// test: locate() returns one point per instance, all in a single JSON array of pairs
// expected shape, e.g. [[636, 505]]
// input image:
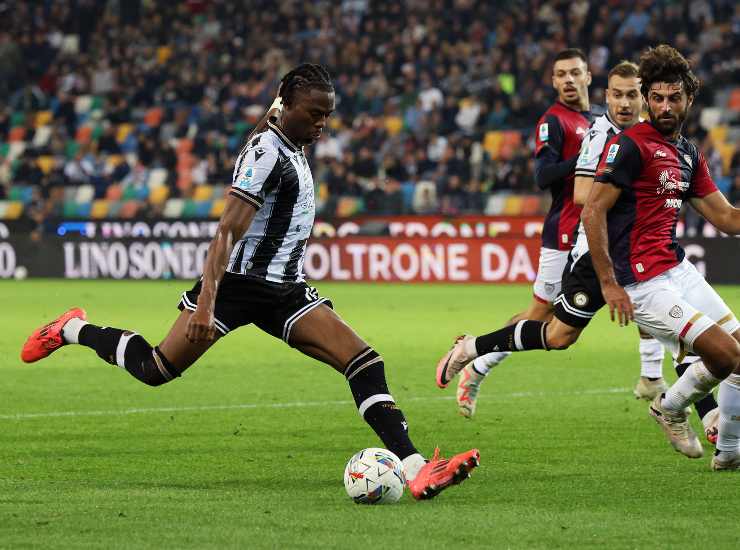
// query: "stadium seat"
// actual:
[[84, 134], [18, 118], [492, 143], [85, 193], [22, 193], [114, 207], [348, 206], [122, 132], [203, 193], [718, 134], [4, 148], [173, 208], [99, 209], [129, 209], [734, 100], [158, 194], [184, 145], [157, 177], [69, 210], [16, 134], [203, 208], [43, 118], [495, 205], [726, 151], [163, 54], [83, 104], [189, 209], [393, 124], [113, 161], [153, 117], [11, 210], [217, 208], [513, 205], [83, 209], [16, 149], [71, 148], [130, 192], [530, 205], [42, 136], [114, 192]]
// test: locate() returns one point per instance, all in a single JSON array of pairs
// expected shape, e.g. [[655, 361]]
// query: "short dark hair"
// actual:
[[304, 77], [570, 53], [625, 69], [665, 64]]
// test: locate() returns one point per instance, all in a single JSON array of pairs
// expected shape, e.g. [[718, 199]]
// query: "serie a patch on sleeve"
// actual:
[[544, 131], [612, 153]]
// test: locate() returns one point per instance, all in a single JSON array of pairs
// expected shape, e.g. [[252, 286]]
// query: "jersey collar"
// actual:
[[279, 133]]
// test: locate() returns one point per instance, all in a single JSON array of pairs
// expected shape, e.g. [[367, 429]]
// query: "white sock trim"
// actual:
[[71, 330], [651, 358], [518, 335], [412, 464], [121, 349], [370, 401]]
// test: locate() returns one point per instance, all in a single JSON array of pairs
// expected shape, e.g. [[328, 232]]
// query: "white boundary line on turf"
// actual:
[[294, 404]]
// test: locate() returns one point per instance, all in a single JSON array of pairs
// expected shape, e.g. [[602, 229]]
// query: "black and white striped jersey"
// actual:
[[273, 175], [601, 131]]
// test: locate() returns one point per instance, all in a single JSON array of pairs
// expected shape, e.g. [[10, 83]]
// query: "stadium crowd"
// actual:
[[436, 99]]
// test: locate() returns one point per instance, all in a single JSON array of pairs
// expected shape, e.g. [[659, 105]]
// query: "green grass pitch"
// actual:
[[247, 449]]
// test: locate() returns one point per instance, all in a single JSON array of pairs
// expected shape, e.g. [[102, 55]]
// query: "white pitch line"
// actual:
[[294, 404]]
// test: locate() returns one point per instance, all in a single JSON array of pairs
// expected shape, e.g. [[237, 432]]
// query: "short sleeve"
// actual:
[[549, 135], [256, 171], [702, 183], [620, 163], [591, 148]]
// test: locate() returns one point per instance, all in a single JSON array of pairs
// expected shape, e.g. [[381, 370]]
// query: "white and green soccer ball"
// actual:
[[374, 476]]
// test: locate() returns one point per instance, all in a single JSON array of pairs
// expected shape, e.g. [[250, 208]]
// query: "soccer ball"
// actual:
[[374, 476]]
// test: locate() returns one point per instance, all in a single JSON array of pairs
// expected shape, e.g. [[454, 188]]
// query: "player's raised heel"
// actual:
[[47, 339], [454, 360], [676, 427]]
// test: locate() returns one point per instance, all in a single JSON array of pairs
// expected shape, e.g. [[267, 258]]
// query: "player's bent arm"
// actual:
[[548, 170], [581, 189], [719, 212], [235, 220], [600, 200]]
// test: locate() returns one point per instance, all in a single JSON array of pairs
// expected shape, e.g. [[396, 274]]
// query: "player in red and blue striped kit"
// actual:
[[630, 217]]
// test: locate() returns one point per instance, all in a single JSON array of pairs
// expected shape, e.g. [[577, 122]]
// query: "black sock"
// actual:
[[521, 336], [706, 403], [366, 376], [130, 351]]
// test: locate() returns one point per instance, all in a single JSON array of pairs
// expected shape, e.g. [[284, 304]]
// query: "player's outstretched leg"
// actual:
[[123, 348], [651, 382], [323, 335]]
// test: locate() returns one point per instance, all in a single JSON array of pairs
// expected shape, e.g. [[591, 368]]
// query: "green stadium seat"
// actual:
[[190, 209], [17, 119], [69, 209]]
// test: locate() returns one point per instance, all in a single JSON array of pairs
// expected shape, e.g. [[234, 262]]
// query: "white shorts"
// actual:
[[550, 274], [677, 306]]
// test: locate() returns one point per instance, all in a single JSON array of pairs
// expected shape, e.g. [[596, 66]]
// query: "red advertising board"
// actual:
[[504, 260]]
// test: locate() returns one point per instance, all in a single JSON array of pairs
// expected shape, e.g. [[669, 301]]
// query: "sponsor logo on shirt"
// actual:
[[580, 131], [611, 154], [544, 132], [673, 203], [670, 183]]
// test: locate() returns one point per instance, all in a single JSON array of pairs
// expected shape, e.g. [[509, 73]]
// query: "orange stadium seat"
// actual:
[[153, 117], [129, 209], [492, 143], [84, 134], [16, 134], [530, 205], [114, 192], [513, 205], [734, 101]]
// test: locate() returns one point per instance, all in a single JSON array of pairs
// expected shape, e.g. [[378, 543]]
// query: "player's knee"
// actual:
[[561, 338], [726, 359]]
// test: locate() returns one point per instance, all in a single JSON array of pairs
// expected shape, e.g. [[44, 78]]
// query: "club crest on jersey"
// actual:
[[544, 132], [669, 183], [660, 154], [611, 154], [676, 312]]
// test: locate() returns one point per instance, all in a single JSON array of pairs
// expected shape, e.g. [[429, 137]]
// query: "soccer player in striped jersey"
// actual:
[[630, 217], [253, 274]]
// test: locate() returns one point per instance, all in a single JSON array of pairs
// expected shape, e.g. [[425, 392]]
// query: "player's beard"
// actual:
[[668, 126]]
